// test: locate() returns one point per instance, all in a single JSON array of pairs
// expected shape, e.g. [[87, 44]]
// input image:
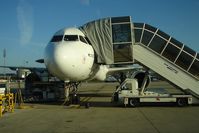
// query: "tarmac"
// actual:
[[102, 116]]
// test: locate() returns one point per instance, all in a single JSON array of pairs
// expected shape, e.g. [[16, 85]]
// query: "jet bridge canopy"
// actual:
[[111, 38], [167, 47]]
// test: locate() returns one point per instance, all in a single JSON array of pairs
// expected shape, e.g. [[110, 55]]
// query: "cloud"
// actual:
[[25, 21], [85, 2]]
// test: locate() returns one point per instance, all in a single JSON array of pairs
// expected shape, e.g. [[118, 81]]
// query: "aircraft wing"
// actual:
[[32, 69], [113, 70], [120, 73]]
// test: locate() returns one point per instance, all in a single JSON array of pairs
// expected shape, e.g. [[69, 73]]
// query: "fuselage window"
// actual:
[[70, 38], [57, 38], [82, 39]]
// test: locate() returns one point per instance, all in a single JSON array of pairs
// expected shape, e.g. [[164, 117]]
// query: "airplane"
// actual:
[[70, 57]]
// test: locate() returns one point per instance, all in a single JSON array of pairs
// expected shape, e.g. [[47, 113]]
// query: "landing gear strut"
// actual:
[[73, 98]]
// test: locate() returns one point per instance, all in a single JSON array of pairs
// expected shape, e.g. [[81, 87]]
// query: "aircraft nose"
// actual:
[[57, 58]]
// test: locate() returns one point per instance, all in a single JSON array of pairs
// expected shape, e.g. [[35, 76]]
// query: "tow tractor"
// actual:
[[129, 94]]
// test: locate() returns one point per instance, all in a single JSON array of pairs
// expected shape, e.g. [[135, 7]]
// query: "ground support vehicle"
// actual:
[[129, 94]]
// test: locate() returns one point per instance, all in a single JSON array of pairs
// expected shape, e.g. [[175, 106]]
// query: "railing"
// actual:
[[167, 47]]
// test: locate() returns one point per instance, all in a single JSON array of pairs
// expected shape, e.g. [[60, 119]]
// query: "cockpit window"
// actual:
[[70, 38], [57, 38], [88, 40], [82, 39]]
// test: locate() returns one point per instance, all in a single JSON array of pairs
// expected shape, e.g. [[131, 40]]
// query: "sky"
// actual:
[[26, 26]]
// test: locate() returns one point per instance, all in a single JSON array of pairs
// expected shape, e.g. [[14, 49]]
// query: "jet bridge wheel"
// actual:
[[181, 102], [134, 102]]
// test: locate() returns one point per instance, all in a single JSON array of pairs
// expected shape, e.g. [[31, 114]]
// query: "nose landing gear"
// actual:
[[71, 96]]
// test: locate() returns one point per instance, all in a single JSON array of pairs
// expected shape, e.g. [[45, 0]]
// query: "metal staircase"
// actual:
[[168, 57]]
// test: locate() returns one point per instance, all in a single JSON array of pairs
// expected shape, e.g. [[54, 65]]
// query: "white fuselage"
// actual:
[[72, 60]]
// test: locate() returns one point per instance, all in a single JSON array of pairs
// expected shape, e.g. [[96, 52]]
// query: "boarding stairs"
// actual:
[[167, 57]]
